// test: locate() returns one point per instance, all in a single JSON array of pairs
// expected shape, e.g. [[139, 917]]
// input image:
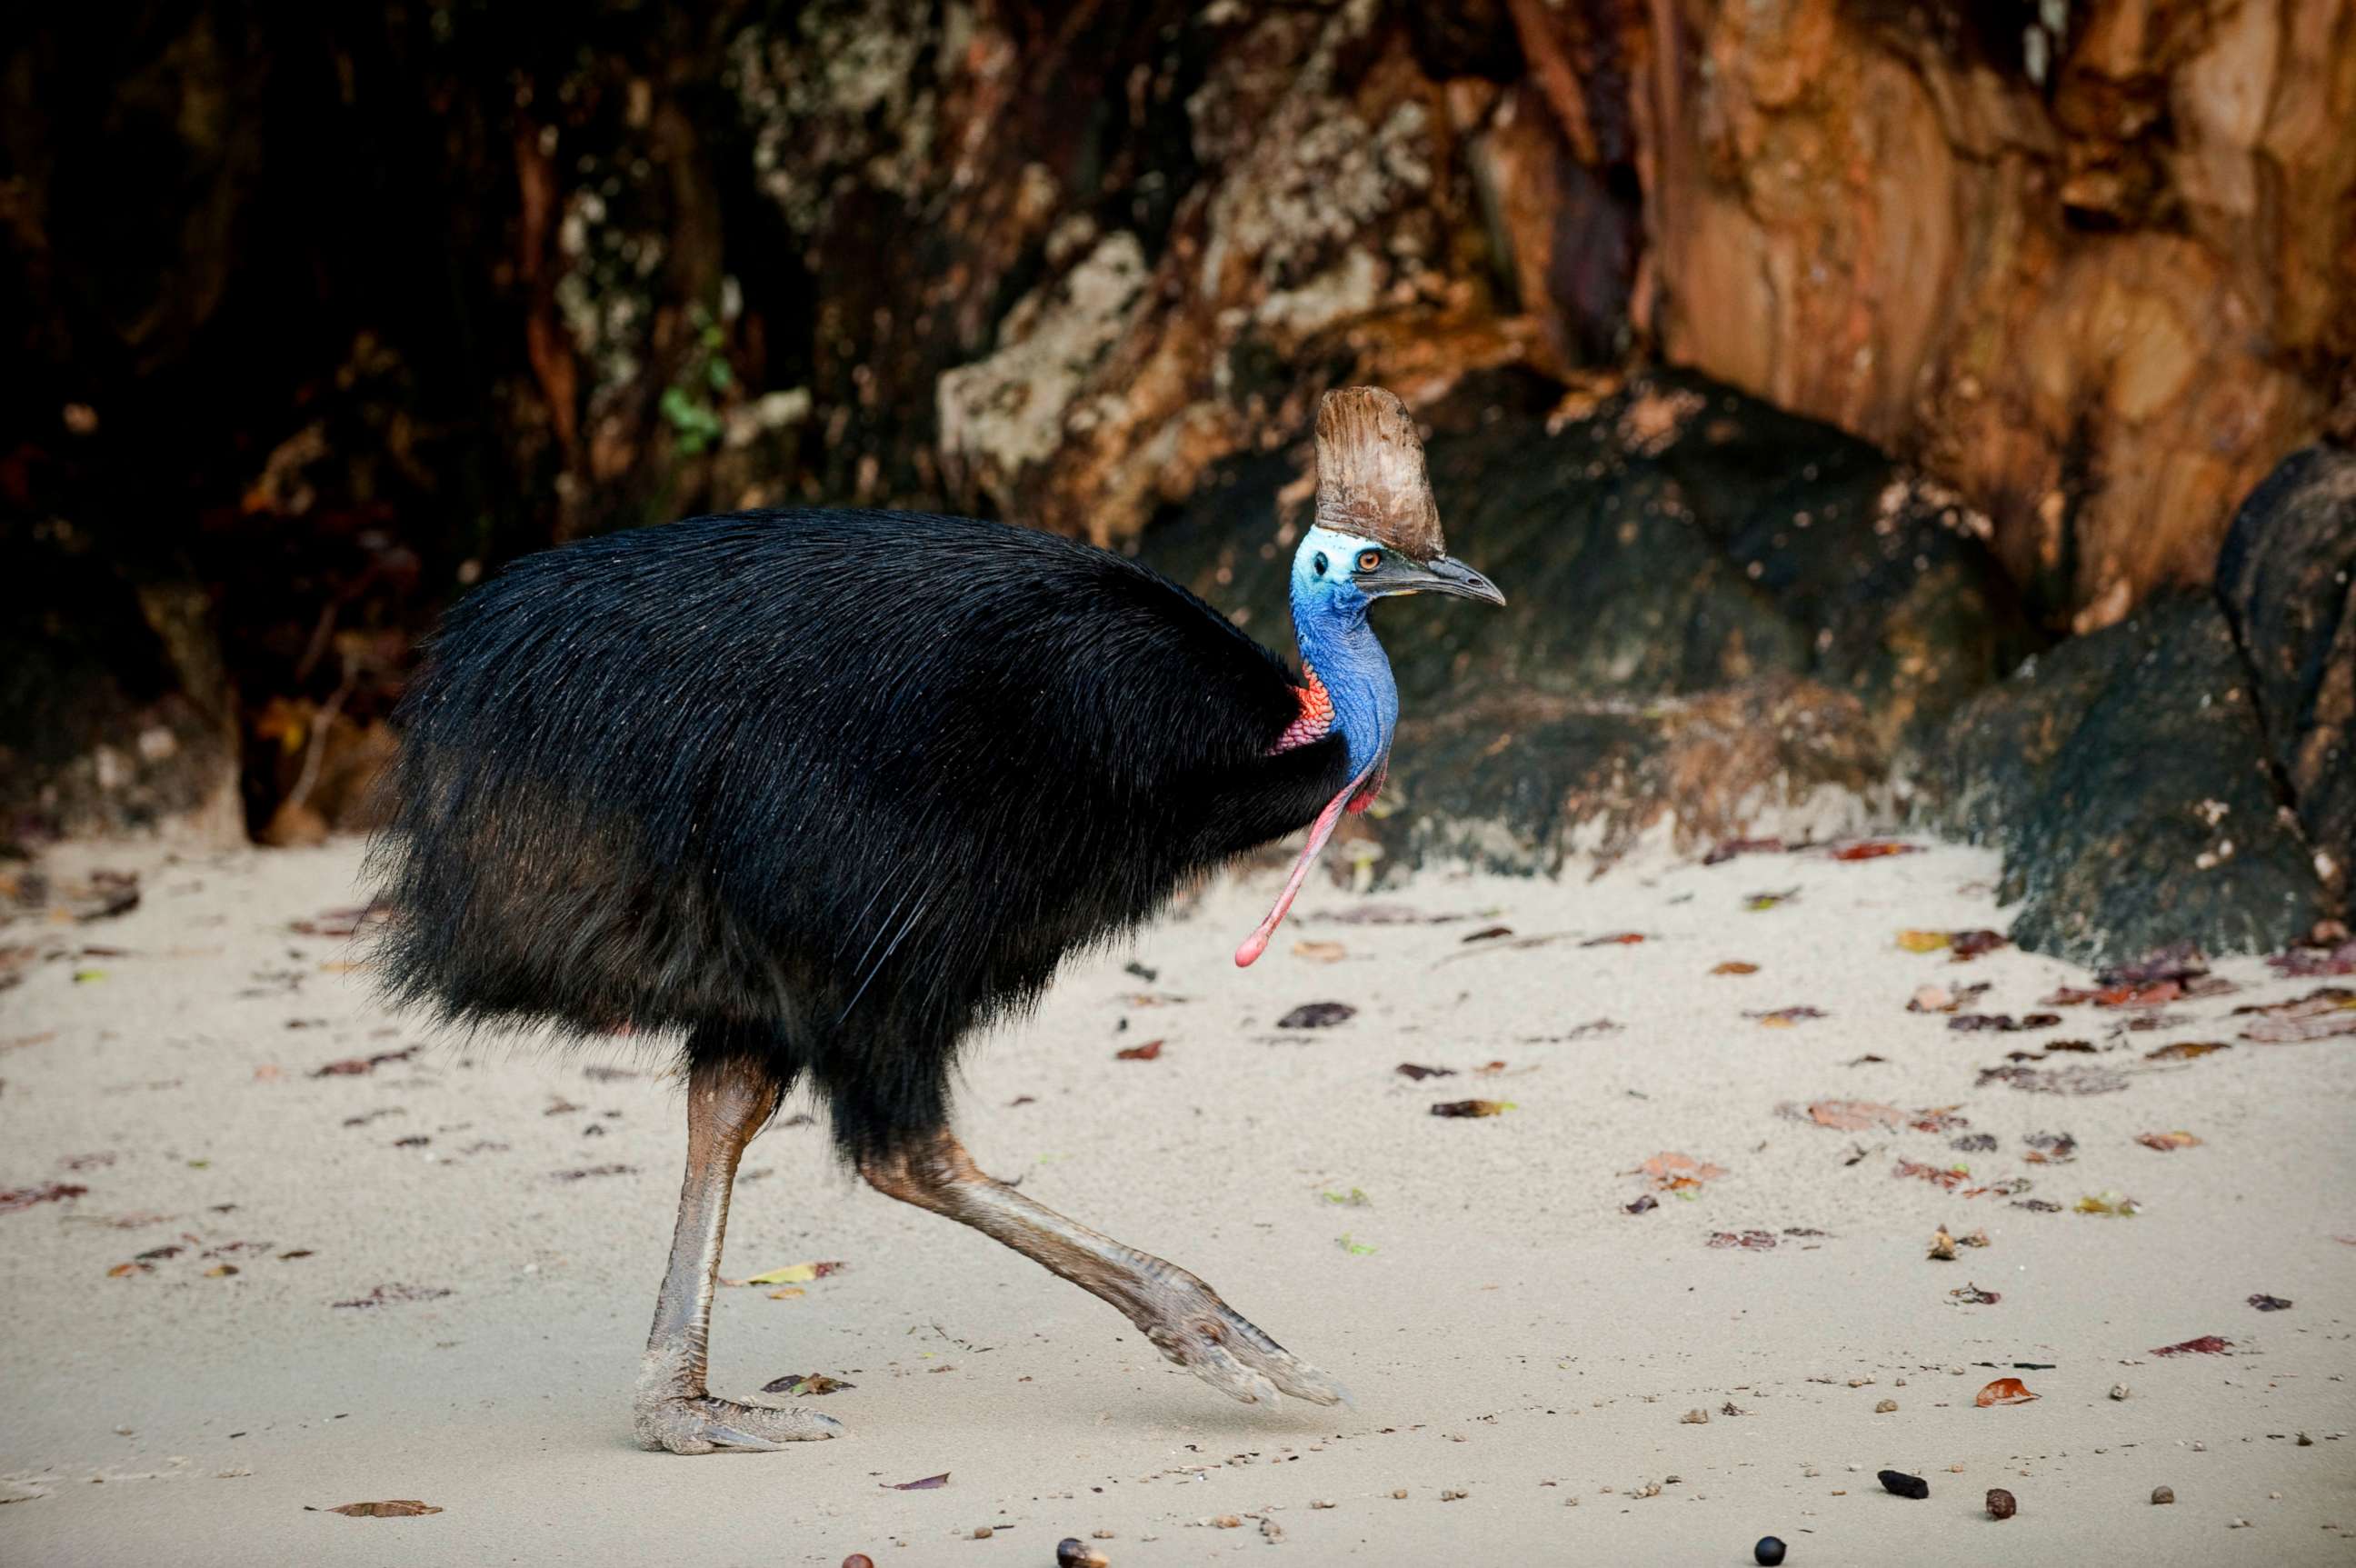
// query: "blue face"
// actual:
[[1329, 619]]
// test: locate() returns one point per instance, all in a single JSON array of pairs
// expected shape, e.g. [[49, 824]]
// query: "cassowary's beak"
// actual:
[[1441, 574]]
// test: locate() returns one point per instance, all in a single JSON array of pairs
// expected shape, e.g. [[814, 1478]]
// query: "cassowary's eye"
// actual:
[[1369, 559], [1319, 565]]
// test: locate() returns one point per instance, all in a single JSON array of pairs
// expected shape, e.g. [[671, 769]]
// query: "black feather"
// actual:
[[829, 788]]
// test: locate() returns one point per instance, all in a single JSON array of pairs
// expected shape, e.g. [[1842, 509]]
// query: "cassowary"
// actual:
[[822, 791]]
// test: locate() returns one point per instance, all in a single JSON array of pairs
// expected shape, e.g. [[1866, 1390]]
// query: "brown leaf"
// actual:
[[1149, 1051], [1873, 849], [1317, 1015], [2265, 1303], [1950, 1178], [2168, 1143], [1727, 849], [925, 1484], [1734, 966], [392, 1507], [387, 1295], [1972, 1295], [1668, 1168], [2186, 1050], [1749, 1241], [1418, 1072], [1616, 939], [2207, 1345], [1487, 934], [1784, 1017], [1472, 1108], [355, 1066], [2326, 1011], [1644, 1205], [1320, 952], [805, 1385], [1855, 1115], [17, 1197], [2004, 1391]]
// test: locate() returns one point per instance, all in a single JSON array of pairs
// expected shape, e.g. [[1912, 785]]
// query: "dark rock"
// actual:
[[2158, 819], [1978, 778], [1905, 1485], [2287, 578], [116, 714], [2002, 1504]]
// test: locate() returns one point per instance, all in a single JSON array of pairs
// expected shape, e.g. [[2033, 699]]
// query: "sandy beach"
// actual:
[[1528, 1358]]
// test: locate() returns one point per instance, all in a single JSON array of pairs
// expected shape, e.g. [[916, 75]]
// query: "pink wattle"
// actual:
[[1319, 832]]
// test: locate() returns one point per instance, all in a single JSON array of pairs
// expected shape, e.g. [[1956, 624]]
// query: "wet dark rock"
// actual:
[[2158, 818], [2287, 578]]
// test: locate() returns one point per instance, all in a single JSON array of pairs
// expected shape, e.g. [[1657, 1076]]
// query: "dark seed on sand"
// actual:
[[1769, 1551], [1905, 1485], [2002, 1504], [2163, 1494]]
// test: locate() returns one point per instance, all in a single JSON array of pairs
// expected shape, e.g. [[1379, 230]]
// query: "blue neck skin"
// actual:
[[1329, 620]]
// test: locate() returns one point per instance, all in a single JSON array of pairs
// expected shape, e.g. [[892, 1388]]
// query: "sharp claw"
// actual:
[[729, 1437]]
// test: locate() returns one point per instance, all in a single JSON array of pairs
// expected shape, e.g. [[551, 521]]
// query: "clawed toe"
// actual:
[[1228, 1352], [705, 1424]]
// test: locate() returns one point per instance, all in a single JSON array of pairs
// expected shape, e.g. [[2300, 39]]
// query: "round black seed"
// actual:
[[1770, 1550]]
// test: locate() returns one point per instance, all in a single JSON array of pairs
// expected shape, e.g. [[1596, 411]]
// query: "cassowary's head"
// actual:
[[1377, 532]]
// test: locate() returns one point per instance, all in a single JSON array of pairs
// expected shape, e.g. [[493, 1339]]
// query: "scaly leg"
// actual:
[[1182, 1316], [727, 1101]]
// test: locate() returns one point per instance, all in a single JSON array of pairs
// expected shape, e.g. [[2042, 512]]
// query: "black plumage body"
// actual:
[[821, 788]]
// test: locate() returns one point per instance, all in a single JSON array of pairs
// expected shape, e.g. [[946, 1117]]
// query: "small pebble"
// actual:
[[1769, 1551], [2120, 1390], [2305, 1441], [2201, 1448], [859, 1560], [1227, 1521], [2239, 1524], [1905, 1485], [1321, 1502], [1885, 1407], [1271, 1530], [983, 1532], [2002, 1504], [1072, 1552], [2163, 1494], [1450, 1495], [1401, 1493]]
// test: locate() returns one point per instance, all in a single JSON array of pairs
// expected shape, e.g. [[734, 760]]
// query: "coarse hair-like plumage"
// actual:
[[823, 789]]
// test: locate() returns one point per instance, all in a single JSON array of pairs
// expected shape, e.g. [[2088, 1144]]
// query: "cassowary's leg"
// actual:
[[727, 1101], [1182, 1316]]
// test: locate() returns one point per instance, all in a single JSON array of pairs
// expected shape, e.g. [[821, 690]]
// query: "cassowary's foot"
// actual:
[[700, 1425], [1196, 1331], [1182, 1316]]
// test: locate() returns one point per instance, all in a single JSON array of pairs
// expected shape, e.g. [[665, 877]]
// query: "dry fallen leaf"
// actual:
[[1418, 1072], [1943, 1246], [1873, 849], [806, 1385], [797, 1273], [392, 1507], [1921, 941], [1616, 939], [1784, 1017], [1318, 952], [2004, 1391], [1472, 1108], [2186, 1050], [2207, 1345], [1734, 966], [1855, 1115], [2168, 1143], [924, 1484], [1149, 1051], [1673, 1172], [1317, 1015]]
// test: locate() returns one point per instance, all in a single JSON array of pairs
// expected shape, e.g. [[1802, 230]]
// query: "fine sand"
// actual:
[[1524, 1352]]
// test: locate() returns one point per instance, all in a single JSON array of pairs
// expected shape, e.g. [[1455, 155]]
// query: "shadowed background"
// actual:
[[1870, 407]]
